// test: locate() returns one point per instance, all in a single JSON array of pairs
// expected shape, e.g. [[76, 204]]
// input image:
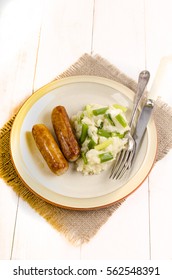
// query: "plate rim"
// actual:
[[89, 203]]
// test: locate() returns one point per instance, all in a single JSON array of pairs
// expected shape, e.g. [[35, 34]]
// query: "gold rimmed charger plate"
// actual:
[[74, 190]]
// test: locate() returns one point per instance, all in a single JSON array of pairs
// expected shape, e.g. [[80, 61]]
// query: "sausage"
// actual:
[[65, 136], [49, 149]]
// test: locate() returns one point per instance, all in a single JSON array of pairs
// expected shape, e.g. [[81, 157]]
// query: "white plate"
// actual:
[[73, 190]]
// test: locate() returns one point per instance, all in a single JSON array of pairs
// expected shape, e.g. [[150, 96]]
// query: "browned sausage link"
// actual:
[[49, 149], [64, 133]]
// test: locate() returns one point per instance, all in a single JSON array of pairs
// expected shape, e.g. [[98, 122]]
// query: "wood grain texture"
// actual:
[[19, 41], [119, 34], [66, 33], [36, 45]]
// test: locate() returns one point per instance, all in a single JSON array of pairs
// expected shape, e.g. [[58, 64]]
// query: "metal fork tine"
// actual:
[[125, 158], [115, 164], [126, 166], [122, 155], [121, 163], [128, 162]]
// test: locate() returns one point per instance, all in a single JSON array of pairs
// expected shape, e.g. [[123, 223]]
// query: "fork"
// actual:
[[124, 158]]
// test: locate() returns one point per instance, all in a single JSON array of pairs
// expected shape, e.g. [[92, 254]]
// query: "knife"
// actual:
[[143, 122]]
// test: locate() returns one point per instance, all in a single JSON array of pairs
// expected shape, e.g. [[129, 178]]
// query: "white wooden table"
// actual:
[[38, 40]]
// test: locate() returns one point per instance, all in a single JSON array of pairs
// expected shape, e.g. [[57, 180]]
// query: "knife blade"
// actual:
[[143, 122]]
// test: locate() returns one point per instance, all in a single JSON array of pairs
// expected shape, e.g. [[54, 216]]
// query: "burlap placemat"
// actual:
[[80, 226]]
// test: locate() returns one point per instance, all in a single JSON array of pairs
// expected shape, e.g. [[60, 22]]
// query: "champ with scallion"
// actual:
[[101, 131]]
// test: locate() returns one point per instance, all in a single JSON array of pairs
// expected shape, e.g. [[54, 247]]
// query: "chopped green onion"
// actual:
[[84, 133], [103, 145], [109, 118], [100, 111], [105, 157], [121, 120], [104, 133], [91, 144], [80, 119], [118, 106], [83, 155], [88, 110], [117, 134], [101, 125]]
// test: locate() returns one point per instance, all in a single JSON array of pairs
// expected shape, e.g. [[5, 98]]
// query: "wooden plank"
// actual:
[[119, 34], [8, 211], [19, 42], [126, 235], [18, 47], [161, 209], [65, 35], [37, 240], [158, 40], [159, 44]]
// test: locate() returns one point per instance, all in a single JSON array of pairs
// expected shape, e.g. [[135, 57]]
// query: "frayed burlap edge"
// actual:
[[79, 227], [163, 120], [98, 66]]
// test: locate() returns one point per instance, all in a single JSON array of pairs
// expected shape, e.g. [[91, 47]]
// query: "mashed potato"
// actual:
[[101, 132]]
